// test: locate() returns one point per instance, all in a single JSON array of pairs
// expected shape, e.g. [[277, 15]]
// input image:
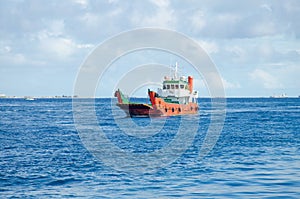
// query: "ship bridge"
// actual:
[[178, 90]]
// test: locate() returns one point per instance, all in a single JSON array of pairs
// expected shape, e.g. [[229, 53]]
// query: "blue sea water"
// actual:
[[256, 156]]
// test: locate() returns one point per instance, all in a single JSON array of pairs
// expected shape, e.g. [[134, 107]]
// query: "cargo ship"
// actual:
[[176, 97]]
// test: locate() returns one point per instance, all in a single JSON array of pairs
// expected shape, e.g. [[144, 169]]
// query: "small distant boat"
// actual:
[[176, 97], [29, 98]]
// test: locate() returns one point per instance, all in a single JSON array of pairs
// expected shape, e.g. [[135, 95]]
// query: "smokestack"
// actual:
[[190, 82]]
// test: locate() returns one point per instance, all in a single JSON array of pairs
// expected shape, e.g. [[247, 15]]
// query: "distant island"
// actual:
[[27, 97]]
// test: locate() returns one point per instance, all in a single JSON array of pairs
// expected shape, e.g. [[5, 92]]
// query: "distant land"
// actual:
[[37, 97], [28, 97]]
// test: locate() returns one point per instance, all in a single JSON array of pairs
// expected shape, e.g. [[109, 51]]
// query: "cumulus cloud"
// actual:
[[162, 15], [58, 47], [5, 49], [91, 19], [161, 3], [245, 19], [237, 34], [209, 46], [266, 79], [230, 85], [83, 3], [198, 21], [13, 59], [55, 43], [57, 27], [238, 53], [17, 58]]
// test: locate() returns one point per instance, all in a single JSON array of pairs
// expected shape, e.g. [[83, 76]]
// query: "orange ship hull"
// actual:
[[157, 108]]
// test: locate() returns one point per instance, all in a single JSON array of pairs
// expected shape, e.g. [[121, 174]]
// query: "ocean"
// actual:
[[43, 155]]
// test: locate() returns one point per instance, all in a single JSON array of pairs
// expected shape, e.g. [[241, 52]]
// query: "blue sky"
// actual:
[[255, 44]]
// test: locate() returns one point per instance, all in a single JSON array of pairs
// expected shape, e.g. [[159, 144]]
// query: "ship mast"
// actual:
[[176, 68]]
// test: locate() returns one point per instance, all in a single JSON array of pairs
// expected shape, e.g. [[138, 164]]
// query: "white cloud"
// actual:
[[85, 45], [266, 28], [57, 46], [236, 52], [266, 79], [266, 7], [91, 20], [266, 49], [17, 58], [57, 27], [228, 18], [163, 16], [287, 73], [116, 12], [5, 49], [198, 21], [230, 85], [209, 47], [238, 35], [161, 3], [83, 3], [113, 1], [11, 59]]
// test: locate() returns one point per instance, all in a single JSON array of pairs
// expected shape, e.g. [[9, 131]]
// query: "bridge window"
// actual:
[[176, 86], [172, 86], [168, 86], [164, 87], [181, 86]]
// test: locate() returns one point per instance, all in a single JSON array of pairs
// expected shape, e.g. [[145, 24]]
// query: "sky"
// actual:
[[255, 44]]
